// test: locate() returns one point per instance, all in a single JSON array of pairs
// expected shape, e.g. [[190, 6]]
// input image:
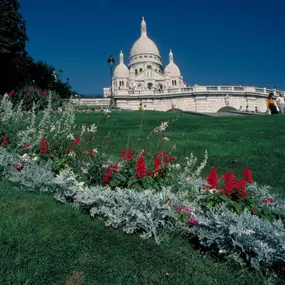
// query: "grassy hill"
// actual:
[[44, 242], [257, 142]]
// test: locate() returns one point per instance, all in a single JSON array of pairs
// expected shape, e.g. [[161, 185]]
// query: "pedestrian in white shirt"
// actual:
[[281, 103]]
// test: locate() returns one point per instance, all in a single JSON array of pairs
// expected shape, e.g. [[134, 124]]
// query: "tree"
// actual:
[[17, 68], [13, 38]]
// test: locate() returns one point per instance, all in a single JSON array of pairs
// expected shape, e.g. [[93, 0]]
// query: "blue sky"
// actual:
[[214, 41]]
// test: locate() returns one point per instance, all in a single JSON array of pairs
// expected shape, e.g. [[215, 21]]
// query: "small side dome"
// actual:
[[172, 68], [121, 70]]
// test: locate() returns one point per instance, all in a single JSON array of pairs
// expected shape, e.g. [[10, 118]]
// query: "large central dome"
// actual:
[[144, 44]]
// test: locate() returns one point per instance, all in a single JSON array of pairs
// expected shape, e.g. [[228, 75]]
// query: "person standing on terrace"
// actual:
[[270, 104], [280, 103]]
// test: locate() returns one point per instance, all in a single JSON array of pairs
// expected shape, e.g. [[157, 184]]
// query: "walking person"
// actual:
[[281, 103], [271, 105]]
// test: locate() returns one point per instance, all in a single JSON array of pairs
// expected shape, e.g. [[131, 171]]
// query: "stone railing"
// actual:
[[196, 89]]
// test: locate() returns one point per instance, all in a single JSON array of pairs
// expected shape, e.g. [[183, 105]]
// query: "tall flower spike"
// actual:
[[247, 175], [212, 179], [44, 145]]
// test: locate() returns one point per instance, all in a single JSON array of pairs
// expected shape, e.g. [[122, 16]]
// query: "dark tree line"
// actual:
[[17, 68]]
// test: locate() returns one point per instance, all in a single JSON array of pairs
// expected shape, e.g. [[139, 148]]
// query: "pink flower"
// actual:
[[11, 93], [5, 141], [192, 221], [18, 166]]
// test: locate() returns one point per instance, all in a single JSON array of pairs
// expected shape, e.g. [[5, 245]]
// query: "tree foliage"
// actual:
[[17, 67]]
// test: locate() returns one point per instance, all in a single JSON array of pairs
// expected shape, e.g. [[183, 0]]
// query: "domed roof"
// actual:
[[144, 44], [121, 70], [172, 68]]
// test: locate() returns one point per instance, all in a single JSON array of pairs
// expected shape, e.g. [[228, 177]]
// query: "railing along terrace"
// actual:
[[224, 89]]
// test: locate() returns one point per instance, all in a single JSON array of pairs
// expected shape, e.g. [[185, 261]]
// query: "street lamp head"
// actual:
[[111, 61]]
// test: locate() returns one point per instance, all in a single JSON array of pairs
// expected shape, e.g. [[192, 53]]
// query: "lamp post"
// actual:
[[60, 73], [111, 62]]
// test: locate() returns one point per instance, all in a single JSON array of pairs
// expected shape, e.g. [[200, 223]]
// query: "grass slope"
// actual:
[[233, 143], [44, 242]]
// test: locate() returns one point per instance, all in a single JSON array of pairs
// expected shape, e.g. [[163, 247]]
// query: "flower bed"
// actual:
[[146, 192]]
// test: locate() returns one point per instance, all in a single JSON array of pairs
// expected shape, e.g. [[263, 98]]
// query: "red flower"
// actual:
[[127, 156], [230, 182], [240, 187], [192, 221], [11, 93], [44, 145], [31, 91], [212, 179], [5, 141], [141, 168], [247, 175], [108, 176], [26, 146], [269, 200], [171, 158], [116, 167], [39, 90], [91, 151], [157, 163], [253, 208], [163, 155], [44, 94], [76, 141], [165, 159]]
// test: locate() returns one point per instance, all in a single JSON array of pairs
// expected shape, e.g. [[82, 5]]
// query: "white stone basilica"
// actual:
[[145, 70], [145, 82]]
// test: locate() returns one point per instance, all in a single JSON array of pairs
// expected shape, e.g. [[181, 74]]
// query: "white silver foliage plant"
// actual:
[[244, 237], [59, 126]]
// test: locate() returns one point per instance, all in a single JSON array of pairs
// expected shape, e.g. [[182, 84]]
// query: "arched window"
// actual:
[[136, 72], [141, 69], [122, 83], [149, 67]]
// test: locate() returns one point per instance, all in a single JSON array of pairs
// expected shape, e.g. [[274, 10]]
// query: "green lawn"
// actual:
[[233, 143], [43, 242]]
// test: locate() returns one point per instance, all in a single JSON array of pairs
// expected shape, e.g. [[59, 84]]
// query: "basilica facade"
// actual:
[[144, 71], [144, 81]]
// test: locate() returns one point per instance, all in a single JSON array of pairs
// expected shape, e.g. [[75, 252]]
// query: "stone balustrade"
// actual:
[[195, 90]]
